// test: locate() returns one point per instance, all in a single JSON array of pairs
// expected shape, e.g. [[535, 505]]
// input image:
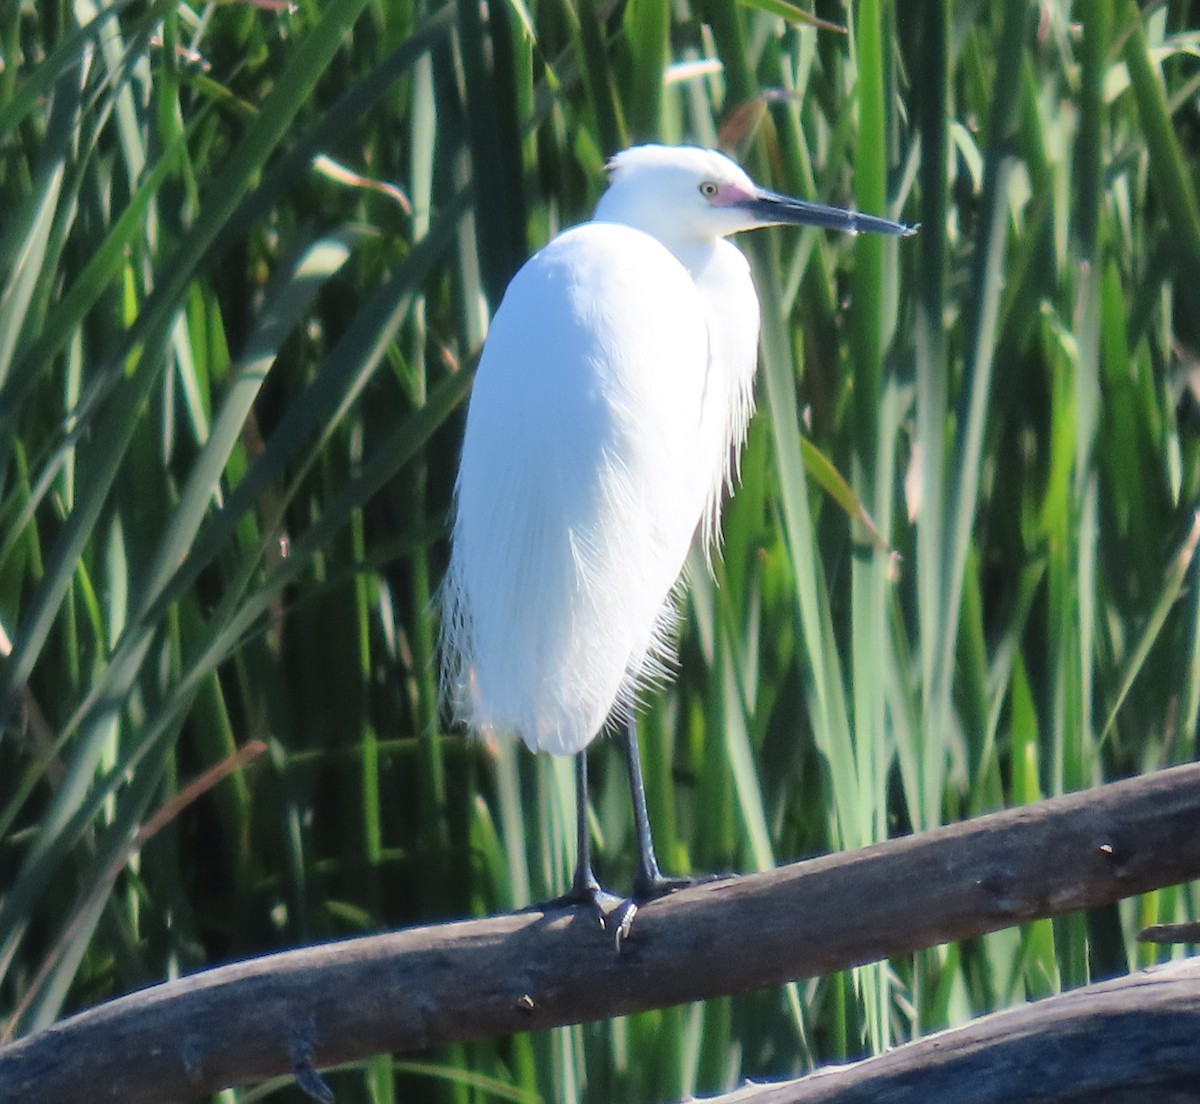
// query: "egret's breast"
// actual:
[[721, 276]]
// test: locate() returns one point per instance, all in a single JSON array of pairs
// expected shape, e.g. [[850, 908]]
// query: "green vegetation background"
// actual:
[[247, 256]]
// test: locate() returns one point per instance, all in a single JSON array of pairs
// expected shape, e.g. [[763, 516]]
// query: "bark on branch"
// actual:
[[1129, 1041], [430, 986]]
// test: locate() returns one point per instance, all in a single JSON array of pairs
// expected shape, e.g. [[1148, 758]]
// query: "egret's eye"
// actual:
[[708, 189]]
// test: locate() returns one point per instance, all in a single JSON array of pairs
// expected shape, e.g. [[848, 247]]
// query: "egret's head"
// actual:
[[677, 193], [682, 195]]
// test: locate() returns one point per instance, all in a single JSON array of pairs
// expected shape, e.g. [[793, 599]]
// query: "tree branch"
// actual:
[[429, 986], [1128, 1041]]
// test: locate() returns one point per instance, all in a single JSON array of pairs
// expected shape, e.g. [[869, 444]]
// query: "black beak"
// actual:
[[783, 210]]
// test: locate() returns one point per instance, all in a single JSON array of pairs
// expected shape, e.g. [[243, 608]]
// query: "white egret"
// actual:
[[614, 389]]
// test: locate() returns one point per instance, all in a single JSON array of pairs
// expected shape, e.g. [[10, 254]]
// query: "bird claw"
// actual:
[[619, 922], [614, 914], [619, 919], [647, 889]]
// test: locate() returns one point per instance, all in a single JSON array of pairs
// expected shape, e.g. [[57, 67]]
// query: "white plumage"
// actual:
[[613, 392], [613, 386]]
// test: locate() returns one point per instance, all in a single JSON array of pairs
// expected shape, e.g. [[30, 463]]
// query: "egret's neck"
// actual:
[[721, 275], [695, 254]]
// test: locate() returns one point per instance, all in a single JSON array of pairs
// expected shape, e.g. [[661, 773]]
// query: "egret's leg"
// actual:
[[650, 881], [585, 887]]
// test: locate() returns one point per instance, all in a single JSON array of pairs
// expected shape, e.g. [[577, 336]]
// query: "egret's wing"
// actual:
[[586, 465]]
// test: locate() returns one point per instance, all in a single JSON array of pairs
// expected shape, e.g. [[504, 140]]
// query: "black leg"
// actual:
[[616, 914], [585, 888], [650, 881], [584, 884]]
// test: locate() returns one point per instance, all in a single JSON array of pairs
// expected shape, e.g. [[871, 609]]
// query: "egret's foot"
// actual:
[[619, 921], [613, 914], [588, 893], [595, 895], [616, 914], [648, 888]]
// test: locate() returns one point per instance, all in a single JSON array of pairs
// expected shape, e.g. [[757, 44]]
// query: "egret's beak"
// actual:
[[777, 210]]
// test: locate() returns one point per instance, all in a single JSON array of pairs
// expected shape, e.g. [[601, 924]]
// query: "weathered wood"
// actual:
[[1135, 1040], [430, 986], [1187, 932]]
